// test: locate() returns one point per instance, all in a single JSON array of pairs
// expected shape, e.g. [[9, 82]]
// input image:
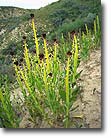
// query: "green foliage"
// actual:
[[8, 117], [73, 26], [90, 19], [58, 17]]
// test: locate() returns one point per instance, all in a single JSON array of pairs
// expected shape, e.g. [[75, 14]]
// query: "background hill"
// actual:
[[59, 17]]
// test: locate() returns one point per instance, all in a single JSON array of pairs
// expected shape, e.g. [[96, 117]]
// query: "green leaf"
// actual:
[[78, 74], [62, 95]]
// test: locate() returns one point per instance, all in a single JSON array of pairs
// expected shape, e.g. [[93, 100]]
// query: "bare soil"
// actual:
[[90, 98]]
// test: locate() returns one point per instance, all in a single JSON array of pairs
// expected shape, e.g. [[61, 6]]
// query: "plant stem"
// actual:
[[75, 58], [46, 55], [26, 54], [36, 40], [67, 92]]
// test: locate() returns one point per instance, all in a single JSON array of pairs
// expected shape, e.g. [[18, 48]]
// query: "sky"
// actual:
[[27, 4]]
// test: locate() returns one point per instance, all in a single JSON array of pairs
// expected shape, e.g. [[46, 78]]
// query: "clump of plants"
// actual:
[[90, 39], [49, 86]]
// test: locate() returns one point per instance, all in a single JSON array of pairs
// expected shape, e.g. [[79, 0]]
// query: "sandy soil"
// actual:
[[90, 101]]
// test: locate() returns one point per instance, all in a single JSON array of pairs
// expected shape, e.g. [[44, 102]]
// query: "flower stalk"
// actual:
[[67, 92], [75, 58], [36, 39], [46, 56], [26, 55]]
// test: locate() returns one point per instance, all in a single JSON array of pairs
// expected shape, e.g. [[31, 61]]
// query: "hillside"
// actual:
[[59, 17], [50, 66]]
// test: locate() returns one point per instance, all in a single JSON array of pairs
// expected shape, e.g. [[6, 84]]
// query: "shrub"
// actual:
[[65, 28]]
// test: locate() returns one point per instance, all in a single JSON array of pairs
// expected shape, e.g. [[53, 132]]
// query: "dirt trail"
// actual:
[[90, 103]]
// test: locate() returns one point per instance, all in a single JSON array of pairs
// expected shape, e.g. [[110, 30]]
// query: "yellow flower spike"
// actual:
[[87, 31], [46, 55], [67, 81], [36, 39], [55, 49], [25, 71], [67, 90], [55, 52], [75, 58], [19, 79], [17, 72], [26, 54]]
